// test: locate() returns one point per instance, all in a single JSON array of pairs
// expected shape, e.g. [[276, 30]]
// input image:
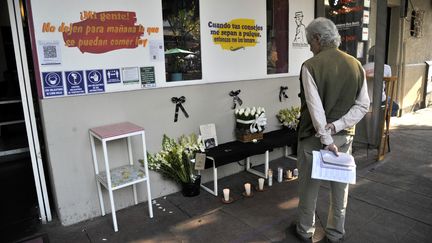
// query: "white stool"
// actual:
[[123, 176]]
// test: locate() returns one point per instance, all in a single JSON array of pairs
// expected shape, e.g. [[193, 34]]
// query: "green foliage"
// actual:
[[289, 117], [184, 24], [173, 161]]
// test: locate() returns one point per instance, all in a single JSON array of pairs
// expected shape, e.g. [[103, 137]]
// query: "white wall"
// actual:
[[67, 121]]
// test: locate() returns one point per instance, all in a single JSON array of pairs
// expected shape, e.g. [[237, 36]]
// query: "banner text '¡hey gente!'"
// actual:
[[104, 15]]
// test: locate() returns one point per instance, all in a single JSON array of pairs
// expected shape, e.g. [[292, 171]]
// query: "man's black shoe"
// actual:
[[327, 240], [293, 230]]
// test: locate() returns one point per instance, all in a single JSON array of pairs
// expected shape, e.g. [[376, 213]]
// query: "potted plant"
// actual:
[[289, 117], [174, 162], [178, 68]]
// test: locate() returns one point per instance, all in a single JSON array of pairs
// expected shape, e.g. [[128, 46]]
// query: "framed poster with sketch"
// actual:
[[208, 135]]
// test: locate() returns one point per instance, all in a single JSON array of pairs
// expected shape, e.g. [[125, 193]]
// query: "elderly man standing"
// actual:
[[333, 99]]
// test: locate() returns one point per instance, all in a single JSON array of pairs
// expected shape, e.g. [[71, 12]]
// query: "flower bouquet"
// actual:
[[174, 161], [289, 117], [250, 123]]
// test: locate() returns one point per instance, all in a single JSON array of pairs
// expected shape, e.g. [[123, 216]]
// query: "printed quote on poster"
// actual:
[[235, 34], [100, 32]]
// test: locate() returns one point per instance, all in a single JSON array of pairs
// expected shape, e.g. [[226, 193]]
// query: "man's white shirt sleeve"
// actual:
[[315, 107]]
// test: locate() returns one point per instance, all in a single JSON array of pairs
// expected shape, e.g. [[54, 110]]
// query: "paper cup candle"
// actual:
[[261, 184], [270, 177], [247, 189], [295, 172], [226, 193], [289, 174]]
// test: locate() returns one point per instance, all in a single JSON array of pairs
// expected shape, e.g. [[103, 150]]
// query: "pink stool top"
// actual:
[[117, 129]]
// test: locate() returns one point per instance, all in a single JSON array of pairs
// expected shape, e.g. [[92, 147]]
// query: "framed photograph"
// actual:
[[208, 135]]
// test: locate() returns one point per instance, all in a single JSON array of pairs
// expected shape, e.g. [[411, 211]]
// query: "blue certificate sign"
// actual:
[[113, 76], [95, 82], [75, 82], [53, 84]]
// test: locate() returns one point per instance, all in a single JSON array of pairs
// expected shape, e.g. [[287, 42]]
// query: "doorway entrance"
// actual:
[[24, 196]]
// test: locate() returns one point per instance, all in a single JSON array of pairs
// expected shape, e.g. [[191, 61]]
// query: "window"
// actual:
[[277, 36], [356, 24], [181, 25]]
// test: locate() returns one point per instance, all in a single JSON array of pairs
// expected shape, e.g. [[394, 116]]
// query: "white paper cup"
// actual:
[[247, 188], [295, 172], [261, 184], [226, 193]]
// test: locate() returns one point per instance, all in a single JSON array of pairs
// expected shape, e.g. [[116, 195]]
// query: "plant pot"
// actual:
[[243, 131], [192, 189], [176, 76]]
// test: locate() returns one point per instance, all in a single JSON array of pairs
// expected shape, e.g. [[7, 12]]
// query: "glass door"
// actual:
[[24, 194]]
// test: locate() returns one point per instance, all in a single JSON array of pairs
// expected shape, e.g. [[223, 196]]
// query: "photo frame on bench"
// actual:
[[208, 135]]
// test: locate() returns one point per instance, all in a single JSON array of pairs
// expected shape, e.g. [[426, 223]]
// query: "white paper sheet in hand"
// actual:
[[331, 174], [344, 159]]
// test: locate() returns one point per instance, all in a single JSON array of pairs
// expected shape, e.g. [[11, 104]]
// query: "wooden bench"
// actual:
[[234, 151]]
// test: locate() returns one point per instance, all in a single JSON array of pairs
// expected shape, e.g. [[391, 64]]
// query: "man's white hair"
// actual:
[[325, 30]]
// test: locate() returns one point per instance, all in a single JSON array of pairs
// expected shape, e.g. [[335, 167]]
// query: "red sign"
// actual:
[[104, 31]]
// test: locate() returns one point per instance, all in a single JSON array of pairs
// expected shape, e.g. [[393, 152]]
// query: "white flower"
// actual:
[[236, 111], [259, 110], [241, 111], [253, 111], [200, 143], [248, 110]]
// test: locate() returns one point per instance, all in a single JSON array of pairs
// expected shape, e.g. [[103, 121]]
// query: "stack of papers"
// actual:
[[342, 162], [327, 166]]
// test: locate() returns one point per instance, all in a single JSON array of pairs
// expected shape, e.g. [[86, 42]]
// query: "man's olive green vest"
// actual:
[[339, 78]]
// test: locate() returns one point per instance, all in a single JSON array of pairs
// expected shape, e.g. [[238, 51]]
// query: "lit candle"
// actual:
[[226, 193], [247, 188], [261, 184], [270, 177], [289, 174]]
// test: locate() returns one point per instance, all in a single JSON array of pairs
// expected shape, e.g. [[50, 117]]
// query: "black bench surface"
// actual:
[[235, 151]]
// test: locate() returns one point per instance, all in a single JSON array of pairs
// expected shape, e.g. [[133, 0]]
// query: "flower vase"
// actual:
[[192, 189]]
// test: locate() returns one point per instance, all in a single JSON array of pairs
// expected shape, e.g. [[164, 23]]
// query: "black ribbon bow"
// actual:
[[236, 99], [179, 101], [282, 93]]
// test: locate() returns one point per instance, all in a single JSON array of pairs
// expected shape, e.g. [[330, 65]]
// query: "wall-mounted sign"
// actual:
[[74, 82], [113, 75], [105, 46], [52, 84], [100, 37]]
